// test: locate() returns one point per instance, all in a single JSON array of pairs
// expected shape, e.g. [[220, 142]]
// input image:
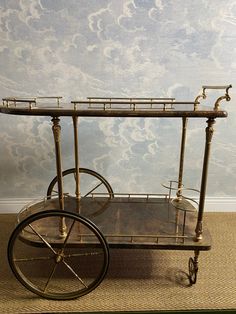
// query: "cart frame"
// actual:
[[123, 107]]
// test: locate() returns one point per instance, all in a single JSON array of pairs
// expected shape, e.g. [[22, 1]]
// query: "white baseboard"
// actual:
[[13, 205], [212, 204], [220, 204]]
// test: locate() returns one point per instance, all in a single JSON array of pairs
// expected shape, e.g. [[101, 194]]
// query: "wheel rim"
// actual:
[[90, 182], [54, 265]]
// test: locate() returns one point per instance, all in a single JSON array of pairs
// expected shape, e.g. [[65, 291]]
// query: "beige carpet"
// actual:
[[141, 280]]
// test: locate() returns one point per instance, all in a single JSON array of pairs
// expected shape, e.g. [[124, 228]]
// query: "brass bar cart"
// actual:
[[60, 246]]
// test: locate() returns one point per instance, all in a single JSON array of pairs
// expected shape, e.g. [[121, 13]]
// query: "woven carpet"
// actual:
[[141, 280]]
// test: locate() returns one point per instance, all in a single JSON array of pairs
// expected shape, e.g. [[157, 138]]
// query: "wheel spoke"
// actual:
[[75, 274], [97, 186], [67, 236], [41, 237], [50, 277], [41, 258], [83, 254]]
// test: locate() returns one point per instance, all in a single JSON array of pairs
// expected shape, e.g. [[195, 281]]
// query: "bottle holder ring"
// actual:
[[180, 200]]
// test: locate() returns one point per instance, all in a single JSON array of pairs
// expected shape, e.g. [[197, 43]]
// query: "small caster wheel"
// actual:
[[192, 267]]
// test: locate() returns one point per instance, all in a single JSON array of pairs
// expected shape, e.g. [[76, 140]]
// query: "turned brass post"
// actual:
[[181, 169], [181, 160], [76, 151], [209, 134], [56, 128]]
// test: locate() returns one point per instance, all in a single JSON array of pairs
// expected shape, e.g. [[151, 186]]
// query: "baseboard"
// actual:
[[13, 205], [212, 204], [220, 204]]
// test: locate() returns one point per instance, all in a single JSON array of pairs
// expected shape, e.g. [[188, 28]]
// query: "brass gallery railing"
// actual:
[[118, 103]]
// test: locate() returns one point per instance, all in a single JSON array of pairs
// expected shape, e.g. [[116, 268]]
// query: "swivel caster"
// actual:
[[193, 269]]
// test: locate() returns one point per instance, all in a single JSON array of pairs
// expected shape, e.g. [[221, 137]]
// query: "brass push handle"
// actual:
[[226, 87], [216, 86], [217, 103]]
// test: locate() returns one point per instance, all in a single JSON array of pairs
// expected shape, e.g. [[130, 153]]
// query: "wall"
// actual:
[[122, 48]]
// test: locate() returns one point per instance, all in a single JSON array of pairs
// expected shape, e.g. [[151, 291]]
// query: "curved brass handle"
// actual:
[[226, 97], [217, 103]]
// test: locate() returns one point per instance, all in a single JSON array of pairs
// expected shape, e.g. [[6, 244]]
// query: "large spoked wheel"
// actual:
[[58, 255], [90, 182]]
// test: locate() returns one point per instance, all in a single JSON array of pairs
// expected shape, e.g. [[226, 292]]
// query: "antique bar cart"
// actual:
[[60, 246]]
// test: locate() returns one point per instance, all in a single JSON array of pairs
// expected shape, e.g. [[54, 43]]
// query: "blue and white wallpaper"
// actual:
[[116, 48]]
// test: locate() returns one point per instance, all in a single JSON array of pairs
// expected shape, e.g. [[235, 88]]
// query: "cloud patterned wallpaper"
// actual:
[[124, 48]]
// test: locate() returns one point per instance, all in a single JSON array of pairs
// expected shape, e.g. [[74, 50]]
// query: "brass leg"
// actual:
[[209, 134], [56, 128], [177, 222], [76, 151], [181, 169], [181, 161]]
